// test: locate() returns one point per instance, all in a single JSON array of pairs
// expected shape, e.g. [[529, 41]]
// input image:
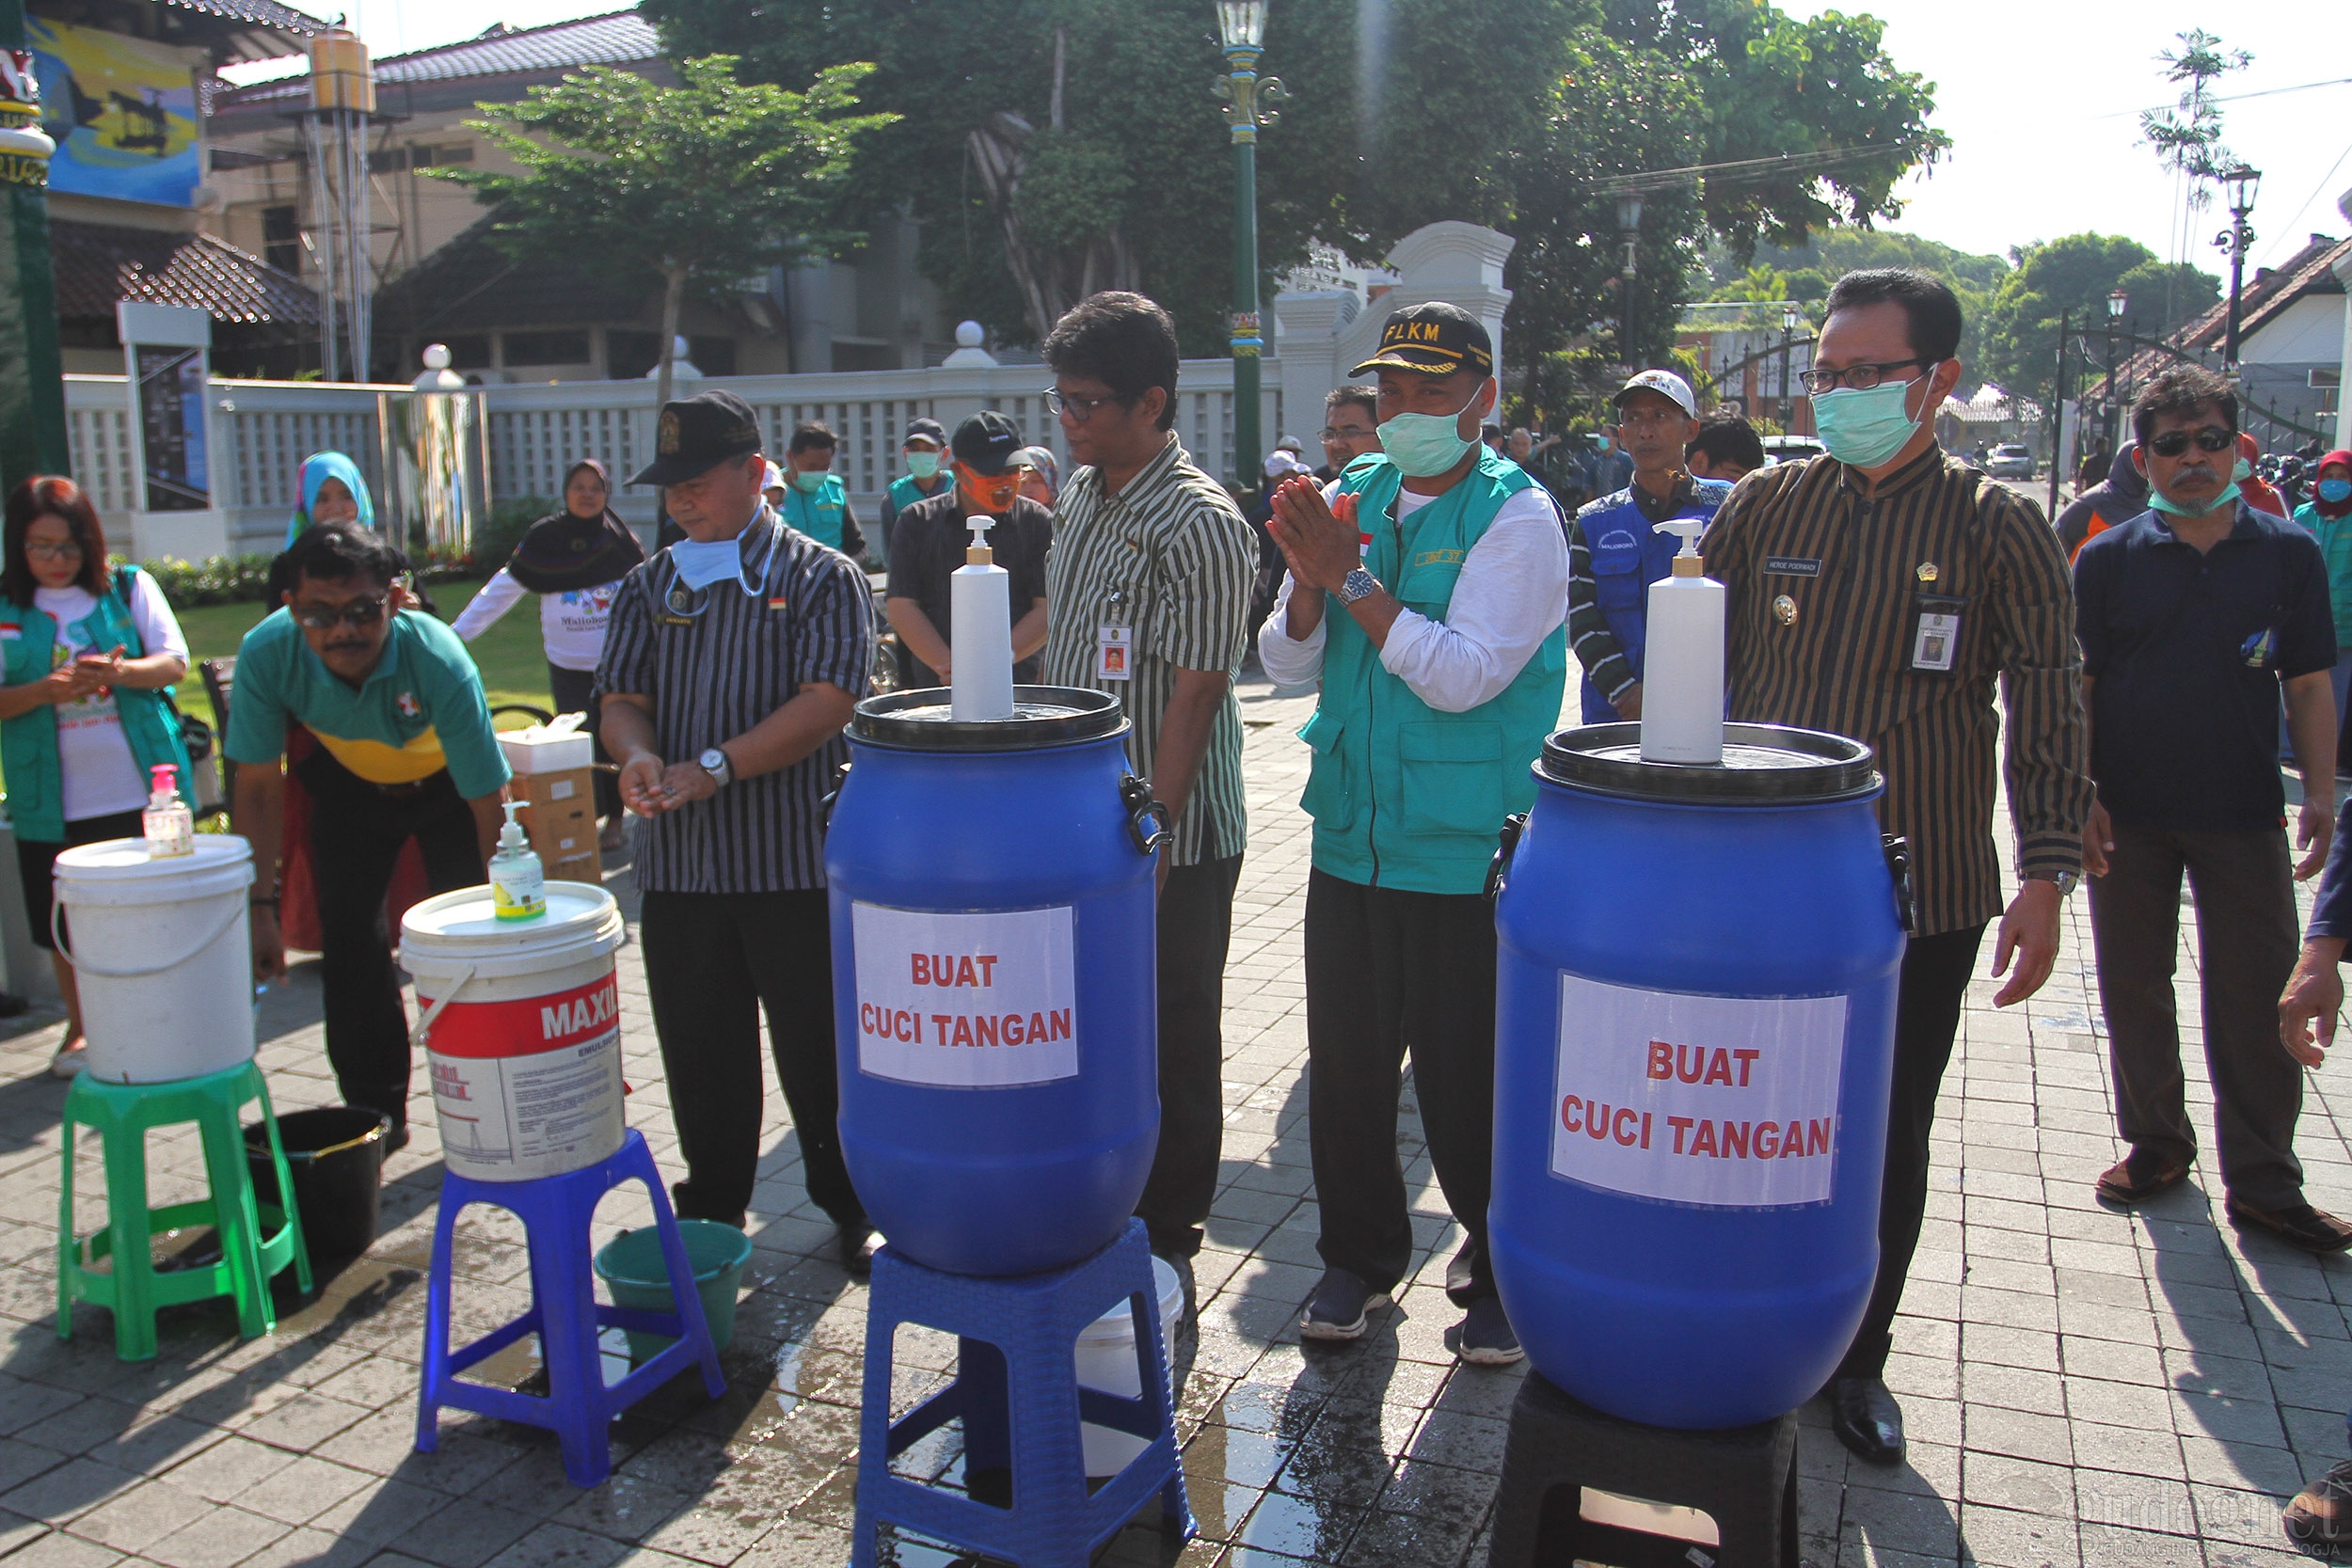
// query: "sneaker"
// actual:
[[70, 1058], [1337, 1310], [2321, 1513], [1486, 1336], [2298, 1225]]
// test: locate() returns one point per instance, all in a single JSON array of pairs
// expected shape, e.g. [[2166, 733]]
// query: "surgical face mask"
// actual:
[[2334, 491], [810, 481], [923, 464], [1866, 428], [700, 564], [1604, 443], [2166, 504], [2242, 471], [1425, 445]]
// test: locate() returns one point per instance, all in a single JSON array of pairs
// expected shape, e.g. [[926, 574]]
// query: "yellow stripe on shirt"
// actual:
[[389, 765]]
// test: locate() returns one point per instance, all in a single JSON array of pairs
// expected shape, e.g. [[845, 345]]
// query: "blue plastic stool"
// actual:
[[565, 1314], [1017, 1390]]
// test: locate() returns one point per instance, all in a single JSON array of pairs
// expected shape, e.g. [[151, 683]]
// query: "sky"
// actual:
[[2039, 96]]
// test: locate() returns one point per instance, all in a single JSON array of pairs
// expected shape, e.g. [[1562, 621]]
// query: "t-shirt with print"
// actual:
[[101, 777]]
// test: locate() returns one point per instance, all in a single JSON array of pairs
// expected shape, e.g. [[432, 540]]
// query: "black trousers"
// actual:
[[714, 961], [1935, 983], [2247, 940], [1196, 927], [570, 688], [357, 830], [1387, 972]]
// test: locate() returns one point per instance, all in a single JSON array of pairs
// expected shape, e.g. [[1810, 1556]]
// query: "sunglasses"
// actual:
[[2172, 443], [359, 613]]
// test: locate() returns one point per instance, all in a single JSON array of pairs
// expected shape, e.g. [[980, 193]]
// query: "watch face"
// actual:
[[714, 761]]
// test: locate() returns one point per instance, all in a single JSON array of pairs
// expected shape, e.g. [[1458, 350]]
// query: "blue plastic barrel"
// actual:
[[1693, 1040], [994, 979]]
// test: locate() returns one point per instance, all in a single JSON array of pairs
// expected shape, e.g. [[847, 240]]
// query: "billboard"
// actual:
[[122, 112]]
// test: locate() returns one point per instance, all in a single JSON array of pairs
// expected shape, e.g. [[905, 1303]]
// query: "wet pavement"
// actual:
[[2083, 1387]]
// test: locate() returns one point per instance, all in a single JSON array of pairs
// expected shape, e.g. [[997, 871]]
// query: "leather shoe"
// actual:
[[2138, 1177], [1866, 1418], [853, 1248], [2297, 1225]]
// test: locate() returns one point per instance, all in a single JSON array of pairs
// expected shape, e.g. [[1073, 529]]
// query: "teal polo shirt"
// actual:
[[419, 712]]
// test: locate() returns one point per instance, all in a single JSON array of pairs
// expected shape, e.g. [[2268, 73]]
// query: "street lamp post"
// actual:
[[1788, 319], [2241, 183], [1629, 230], [32, 373], [1241, 29], [2117, 303]]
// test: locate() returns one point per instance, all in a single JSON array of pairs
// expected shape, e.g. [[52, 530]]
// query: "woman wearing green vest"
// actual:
[[813, 498], [86, 654]]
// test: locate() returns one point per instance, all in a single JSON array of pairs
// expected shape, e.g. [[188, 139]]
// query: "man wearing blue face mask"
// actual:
[[1427, 593], [925, 453], [1882, 591]]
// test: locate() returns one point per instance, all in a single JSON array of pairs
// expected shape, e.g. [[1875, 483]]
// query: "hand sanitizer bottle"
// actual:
[[1682, 681], [518, 885], [169, 826]]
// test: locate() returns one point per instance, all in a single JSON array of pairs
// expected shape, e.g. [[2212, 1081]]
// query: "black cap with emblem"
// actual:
[[1433, 339], [696, 435]]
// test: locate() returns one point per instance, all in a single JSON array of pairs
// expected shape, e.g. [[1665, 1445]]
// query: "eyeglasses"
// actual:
[[1344, 432], [359, 612], [1860, 377], [2172, 443], [67, 551], [1079, 410]]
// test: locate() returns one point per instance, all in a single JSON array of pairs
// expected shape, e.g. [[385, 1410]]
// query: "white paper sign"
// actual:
[[966, 1001], [1727, 1101]]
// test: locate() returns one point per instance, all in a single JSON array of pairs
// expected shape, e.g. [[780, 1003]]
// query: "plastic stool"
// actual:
[[1744, 1478], [1017, 1390], [130, 1287], [565, 1314]]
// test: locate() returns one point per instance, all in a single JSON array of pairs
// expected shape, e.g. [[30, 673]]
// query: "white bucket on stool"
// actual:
[[521, 1026], [1106, 1362], [162, 956]]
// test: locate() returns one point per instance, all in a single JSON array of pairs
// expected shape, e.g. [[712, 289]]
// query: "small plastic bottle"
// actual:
[[169, 826], [518, 884]]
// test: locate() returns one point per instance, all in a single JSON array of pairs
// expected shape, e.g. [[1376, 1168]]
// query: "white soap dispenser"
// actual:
[[980, 632], [167, 823], [1682, 675], [518, 884]]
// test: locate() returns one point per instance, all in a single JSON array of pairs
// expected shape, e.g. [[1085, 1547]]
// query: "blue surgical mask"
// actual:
[[2166, 504], [923, 464], [2242, 471], [700, 564], [810, 481], [2335, 491], [1866, 428], [1425, 445]]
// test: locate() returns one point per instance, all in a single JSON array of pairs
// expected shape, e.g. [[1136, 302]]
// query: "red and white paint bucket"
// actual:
[[521, 1026]]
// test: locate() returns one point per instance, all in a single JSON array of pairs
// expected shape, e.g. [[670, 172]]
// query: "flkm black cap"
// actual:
[[986, 442], [696, 435], [1433, 339]]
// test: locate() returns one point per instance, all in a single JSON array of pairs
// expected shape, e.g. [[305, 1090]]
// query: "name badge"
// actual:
[[1937, 639], [1791, 566], [1114, 654]]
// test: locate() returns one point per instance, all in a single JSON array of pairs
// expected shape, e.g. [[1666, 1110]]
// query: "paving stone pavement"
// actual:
[[2084, 1389]]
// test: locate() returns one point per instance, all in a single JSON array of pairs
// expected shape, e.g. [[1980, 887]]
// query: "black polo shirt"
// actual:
[[2187, 651], [926, 546]]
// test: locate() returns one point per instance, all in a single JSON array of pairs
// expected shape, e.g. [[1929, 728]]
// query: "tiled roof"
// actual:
[[98, 264], [2309, 271], [263, 13], [469, 284], [618, 38]]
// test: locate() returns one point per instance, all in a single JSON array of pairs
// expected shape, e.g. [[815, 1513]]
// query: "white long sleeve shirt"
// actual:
[[1513, 592], [571, 624]]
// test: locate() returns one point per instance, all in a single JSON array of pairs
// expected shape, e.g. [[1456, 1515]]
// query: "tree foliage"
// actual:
[[694, 185], [2187, 136], [2074, 275]]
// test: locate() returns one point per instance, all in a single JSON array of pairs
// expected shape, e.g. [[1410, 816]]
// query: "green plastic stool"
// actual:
[[249, 1255]]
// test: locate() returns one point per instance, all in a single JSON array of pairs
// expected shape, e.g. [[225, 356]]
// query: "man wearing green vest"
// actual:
[[1426, 591], [815, 499], [925, 450]]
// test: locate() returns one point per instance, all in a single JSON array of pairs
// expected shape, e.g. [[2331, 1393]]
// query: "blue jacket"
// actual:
[[1627, 555]]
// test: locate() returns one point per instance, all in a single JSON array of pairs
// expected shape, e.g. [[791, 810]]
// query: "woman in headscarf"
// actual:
[[2329, 515], [333, 491], [574, 560], [1043, 481]]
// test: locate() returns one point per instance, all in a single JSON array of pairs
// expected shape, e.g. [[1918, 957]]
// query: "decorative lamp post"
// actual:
[[1790, 317], [1630, 229], [1241, 30], [32, 374], [2241, 185], [2117, 303]]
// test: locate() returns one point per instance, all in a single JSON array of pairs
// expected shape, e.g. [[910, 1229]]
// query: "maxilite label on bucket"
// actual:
[[530, 1087], [966, 1001], [1724, 1101]]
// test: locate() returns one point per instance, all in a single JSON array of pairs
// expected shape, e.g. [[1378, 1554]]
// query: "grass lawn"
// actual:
[[514, 667]]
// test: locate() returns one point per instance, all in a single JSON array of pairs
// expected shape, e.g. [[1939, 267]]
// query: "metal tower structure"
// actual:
[[335, 139]]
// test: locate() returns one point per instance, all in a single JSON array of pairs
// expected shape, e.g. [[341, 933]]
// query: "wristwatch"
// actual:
[[714, 762], [1356, 584], [2067, 880]]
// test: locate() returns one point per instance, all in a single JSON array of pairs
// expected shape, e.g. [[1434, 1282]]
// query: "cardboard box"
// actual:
[[534, 751], [560, 816]]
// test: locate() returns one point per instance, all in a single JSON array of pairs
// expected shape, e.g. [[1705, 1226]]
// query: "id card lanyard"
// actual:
[[1115, 640]]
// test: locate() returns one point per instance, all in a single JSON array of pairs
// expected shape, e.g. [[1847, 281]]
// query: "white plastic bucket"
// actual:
[[521, 1026], [1106, 1361], [161, 956]]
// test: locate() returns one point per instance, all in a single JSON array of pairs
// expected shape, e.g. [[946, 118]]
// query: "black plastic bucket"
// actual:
[[336, 1155]]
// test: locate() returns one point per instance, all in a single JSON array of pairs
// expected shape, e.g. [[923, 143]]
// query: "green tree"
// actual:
[[694, 185], [1815, 265], [2074, 275]]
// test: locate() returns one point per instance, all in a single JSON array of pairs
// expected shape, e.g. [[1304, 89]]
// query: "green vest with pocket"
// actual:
[[818, 512], [1404, 795]]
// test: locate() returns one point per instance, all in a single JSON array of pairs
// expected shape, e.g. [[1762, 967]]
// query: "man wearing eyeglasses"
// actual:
[[1882, 592], [406, 750], [1351, 428], [2194, 616]]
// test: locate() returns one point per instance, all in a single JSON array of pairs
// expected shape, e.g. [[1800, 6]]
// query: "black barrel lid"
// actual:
[[924, 720], [1763, 765]]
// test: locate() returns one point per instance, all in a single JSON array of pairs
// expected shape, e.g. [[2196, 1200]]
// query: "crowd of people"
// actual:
[[1428, 583]]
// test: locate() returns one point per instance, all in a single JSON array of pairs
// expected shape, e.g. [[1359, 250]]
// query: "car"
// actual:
[[1791, 448], [2011, 460]]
